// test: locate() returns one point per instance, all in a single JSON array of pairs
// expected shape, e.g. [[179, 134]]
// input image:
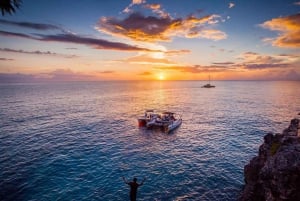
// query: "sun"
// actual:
[[161, 76]]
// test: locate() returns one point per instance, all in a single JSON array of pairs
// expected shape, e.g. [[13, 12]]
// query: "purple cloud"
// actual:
[[139, 27], [5, 59], [95, 43], [68, 75], [292, 75], [255, 61], [107, 72], [223, 63], [265, 65], [71, 38], [36, 26], [13, 34], [54, 76], [71, 48], [15, 77], [37, 52]]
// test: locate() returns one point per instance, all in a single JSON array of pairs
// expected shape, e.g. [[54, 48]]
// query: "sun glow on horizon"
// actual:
[[151, 41], [161, 76]]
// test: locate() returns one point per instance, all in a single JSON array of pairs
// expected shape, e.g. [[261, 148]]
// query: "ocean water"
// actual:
[[75, 141]]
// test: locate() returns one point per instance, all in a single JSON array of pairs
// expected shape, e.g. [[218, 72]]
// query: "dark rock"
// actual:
[[292, 130], [268, 138], [274, 174]]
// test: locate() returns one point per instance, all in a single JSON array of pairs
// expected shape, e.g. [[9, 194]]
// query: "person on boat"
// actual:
[[133, 187]]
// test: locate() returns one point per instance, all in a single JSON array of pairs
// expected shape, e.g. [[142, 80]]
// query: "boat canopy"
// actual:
[[149, 111], [168, 113]]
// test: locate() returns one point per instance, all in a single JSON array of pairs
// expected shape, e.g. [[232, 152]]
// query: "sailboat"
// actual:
[[208, 85]]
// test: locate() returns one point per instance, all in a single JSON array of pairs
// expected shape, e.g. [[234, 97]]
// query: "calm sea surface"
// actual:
[[75, 141]]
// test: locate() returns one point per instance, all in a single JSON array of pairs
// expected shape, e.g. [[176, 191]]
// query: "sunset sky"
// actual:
[[67, 40]]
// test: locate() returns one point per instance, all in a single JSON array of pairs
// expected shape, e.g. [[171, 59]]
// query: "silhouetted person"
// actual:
[[133, 187]]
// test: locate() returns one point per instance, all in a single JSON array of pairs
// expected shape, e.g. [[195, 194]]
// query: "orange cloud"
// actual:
[[145, 73], [252, 60], [157, 28], [137, 1], [195, 69], [148, 60], [208, 34], [249, 61], [153, 6], [156, 8], [289, 29], [134, 2], [176, 52]]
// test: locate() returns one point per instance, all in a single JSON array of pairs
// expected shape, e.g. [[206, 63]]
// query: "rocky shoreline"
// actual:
[[274, 175]]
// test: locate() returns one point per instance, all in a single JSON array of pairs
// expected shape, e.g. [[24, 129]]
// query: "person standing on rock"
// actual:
[[133, 187]]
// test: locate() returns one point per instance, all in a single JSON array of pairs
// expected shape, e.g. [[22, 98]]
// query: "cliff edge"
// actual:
[[274, 175]]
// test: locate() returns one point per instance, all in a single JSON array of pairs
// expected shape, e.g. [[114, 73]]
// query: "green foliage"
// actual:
[[9, 6], [274, 147]]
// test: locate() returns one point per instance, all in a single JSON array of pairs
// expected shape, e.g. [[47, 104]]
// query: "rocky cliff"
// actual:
[[274, 175]]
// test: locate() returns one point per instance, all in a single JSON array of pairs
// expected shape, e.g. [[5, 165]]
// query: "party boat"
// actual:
[[167, 121]]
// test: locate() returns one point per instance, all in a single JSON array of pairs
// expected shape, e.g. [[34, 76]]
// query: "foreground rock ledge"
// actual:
[[274, 174]]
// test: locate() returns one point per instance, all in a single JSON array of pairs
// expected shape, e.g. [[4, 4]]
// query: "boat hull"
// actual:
[[142, 122], [172, 126]]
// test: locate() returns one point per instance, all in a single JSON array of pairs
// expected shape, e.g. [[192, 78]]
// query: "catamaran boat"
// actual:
[[208, 85], [149, 116], [167, 121]]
